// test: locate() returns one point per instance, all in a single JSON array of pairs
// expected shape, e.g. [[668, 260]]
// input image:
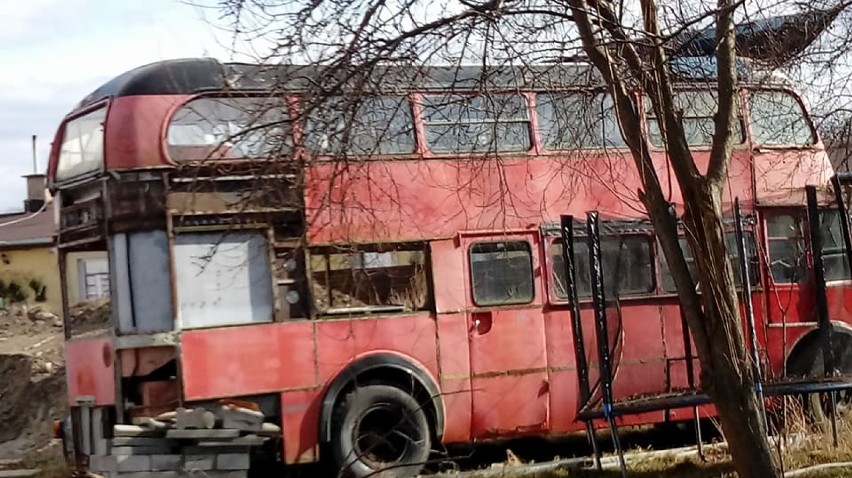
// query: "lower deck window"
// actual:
[[627, 267], [369, 281], [501, 272], [733, 252], [223, 278]]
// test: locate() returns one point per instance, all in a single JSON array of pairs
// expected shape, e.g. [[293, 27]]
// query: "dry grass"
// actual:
[[806, 445]]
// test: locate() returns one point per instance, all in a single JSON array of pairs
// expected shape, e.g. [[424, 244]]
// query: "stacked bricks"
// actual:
[[137, 452]]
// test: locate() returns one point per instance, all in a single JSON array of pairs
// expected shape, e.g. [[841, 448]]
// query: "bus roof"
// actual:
[[198, 75]]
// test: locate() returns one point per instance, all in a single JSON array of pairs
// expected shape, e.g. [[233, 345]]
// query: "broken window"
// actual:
[[627, 267], [468, 124], [369, 281], [501, 273]]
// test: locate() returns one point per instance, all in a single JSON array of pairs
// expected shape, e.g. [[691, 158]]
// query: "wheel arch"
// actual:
[[805, 347], [388, 368]]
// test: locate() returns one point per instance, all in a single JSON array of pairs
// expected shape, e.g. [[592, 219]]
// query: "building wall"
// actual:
[[20, 267]]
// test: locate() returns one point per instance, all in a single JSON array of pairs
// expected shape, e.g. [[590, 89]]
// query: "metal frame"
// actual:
[[607, 407]]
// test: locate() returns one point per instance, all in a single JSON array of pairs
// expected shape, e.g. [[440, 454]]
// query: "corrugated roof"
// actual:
[[28, 229]]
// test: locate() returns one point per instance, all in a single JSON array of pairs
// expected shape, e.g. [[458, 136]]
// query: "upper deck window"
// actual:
[[778, 119], [578, 121], [697, 108], [360, 126], [476, 124], [230, 128], [82, 148]]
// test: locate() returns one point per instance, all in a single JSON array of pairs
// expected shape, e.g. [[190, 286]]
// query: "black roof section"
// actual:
[[198, 75]]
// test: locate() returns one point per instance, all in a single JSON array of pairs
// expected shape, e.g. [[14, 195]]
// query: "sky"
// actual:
[[55, 52]]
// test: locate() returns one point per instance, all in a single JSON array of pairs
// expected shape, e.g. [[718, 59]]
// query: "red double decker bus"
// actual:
[[383, 276]]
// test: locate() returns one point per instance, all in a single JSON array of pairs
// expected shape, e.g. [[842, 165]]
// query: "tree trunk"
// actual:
[[726, 369]]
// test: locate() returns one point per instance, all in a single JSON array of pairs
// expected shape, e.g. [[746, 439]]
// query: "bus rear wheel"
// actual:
[[818, 404], [381, 431]]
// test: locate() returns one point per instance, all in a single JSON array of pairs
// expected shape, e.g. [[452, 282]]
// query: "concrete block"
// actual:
[[141, 441], [222, 448], [202, 434], [166, 462], [240, 418], [199, 418], [133, 462], [140, 450], [150, 474], [232, 461], [226, 474], [199, 462], [248, 440], [103, 463], [135, 431]]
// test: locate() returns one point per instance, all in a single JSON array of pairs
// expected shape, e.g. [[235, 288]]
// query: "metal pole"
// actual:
[[819, 280], [567, 223], [690, 380], [844, 219], [599, 301], [820, 298]]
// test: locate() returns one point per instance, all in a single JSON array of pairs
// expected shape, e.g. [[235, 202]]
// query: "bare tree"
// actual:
[[356, 45]]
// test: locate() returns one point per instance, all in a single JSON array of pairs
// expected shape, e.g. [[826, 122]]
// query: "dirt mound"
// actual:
[[32, 396], [32, 379]]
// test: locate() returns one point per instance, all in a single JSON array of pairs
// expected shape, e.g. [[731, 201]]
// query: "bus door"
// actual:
[[508, 358]]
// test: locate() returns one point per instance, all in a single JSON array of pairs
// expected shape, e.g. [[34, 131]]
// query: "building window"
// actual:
[[370, 281], [501, 273], [476, 124], [94, 279], [627, 267]]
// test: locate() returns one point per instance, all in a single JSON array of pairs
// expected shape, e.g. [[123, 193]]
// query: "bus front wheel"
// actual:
[[381, 431]]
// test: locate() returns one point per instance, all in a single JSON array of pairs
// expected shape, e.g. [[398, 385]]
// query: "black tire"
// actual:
[[818, 405], [380, 431]]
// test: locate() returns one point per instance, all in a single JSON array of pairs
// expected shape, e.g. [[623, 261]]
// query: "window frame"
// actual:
[[554, 298], [324, 252], [821, 211], [106, 105], [817, 140], [743, 119], [800, 215], [556, 92], [421, 125], [294, 128], [530, 247], [418, 136], [748, 230]]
